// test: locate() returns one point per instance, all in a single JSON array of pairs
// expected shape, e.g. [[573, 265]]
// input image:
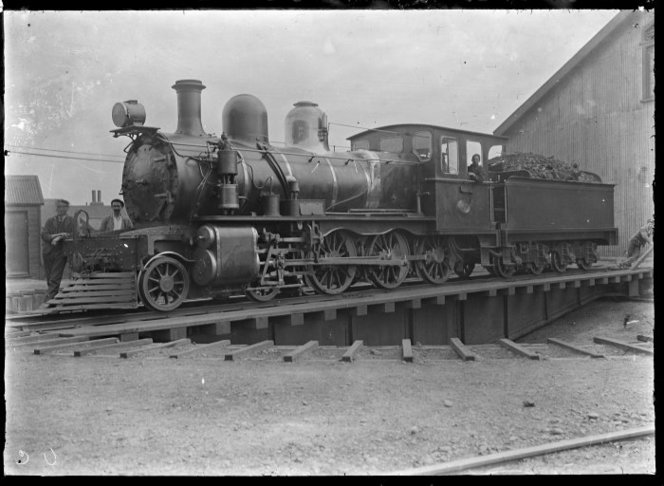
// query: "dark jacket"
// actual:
[[53, 227], [478, 171]]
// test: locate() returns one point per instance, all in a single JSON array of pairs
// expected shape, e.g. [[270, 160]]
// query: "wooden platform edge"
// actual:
[[59, 344], [518, 349], [462, 350], [201, 347], [146, 349], [299, 351], [406, 351], [572, 347], [350, 353], [121, 344], [248, 349], [622, 345]]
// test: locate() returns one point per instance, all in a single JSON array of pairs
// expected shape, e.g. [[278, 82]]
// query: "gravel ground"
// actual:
[[260, 416]]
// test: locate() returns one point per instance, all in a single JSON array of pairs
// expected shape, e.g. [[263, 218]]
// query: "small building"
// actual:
[[598, 111], [23, 201]]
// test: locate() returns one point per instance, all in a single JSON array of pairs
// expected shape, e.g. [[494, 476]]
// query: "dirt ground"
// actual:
[[204, 416]]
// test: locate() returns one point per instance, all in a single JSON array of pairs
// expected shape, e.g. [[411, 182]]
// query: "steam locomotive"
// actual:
[[217, 215]]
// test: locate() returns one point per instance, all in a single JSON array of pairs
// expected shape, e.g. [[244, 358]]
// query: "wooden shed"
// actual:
[[23, 200], [598, 111]]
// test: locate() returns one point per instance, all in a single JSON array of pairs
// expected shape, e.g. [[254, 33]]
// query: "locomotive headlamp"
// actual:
[[128, 113]]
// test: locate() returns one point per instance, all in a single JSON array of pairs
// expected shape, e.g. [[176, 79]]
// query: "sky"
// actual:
[[64, 71]]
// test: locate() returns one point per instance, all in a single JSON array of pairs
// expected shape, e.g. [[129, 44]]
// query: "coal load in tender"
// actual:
[[540, 167]]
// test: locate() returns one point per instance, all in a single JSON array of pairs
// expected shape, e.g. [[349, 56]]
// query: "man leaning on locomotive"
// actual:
[[55, 230], [475, 170]]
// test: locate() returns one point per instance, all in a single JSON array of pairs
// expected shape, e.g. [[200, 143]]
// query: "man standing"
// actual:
[[56, 229], [116, 221], [640, 239]]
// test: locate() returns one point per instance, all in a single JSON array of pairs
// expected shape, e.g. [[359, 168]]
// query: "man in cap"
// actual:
[[116, 221], [56, 229], [640, 239]]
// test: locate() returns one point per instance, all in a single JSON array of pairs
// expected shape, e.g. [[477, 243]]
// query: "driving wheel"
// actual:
[[333, 279]]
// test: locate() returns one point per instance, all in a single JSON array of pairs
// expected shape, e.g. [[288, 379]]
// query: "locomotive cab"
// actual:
[[443, 155]]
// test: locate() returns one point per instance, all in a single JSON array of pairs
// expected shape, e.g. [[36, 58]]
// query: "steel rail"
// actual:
[[507, 456]]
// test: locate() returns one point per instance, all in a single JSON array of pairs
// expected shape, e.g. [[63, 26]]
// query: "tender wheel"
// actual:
[[391, 246], [262, 294], [164, 284], [557, 262], [536, 269], [500, 269], [435, 269], [583, 264], [463, 269], [333, 279]]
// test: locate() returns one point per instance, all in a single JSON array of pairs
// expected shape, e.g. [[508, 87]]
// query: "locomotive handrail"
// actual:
[[75, 234], [302, 154]]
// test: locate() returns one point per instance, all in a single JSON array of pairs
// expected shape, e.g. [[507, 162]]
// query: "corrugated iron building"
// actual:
[[598, 111], [23, 199]]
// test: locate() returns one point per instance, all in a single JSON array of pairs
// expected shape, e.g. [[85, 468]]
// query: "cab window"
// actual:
[[495, 151], [473, 148], [422, 145], [449, 155], [391, 144]]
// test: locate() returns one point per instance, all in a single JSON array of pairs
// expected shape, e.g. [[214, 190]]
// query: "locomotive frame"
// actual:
[[220, 215]]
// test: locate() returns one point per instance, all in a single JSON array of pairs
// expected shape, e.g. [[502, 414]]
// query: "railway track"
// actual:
[[54, 344], [481, 276], [137, 333], [482, 282]]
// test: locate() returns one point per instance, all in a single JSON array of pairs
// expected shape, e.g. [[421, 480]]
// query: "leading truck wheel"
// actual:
[[262, 294], [164, 284]]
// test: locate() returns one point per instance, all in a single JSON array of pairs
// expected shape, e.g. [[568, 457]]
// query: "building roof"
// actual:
[[617, 21], [387, 128], [22, 190]]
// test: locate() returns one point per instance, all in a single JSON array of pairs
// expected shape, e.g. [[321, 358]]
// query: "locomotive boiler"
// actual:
[[216, 215]]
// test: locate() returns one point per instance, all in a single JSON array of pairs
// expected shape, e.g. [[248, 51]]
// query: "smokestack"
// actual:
[[94, 196], [189, 107]]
